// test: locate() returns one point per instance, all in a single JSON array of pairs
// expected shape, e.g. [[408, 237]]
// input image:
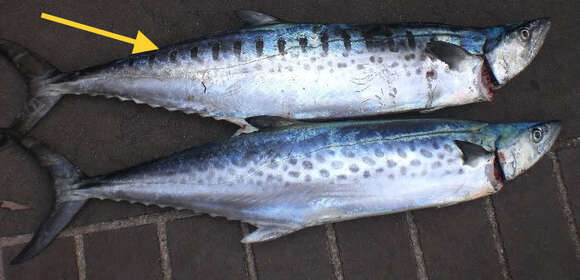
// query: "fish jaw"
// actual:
[[514, 49], [524, 146]]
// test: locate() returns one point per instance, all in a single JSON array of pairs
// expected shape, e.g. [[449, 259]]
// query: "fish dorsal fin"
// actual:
[[253, 18], [472, 153], [265, 233], [271, 122], [449, 53]]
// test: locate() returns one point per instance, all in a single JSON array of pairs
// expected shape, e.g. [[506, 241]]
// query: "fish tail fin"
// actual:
[[38, 73], [66, 178]]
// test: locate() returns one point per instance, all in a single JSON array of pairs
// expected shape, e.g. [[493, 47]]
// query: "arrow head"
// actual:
[[143, 44]]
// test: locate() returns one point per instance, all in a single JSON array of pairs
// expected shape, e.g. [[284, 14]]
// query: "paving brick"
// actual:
[[300, 255], [58, 261], [131, 253], [457, 242], [198, 244], [533, 228], [570, 164], [376, 248]]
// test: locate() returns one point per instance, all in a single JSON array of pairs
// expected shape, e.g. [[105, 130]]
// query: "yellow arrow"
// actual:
[[140, 43]]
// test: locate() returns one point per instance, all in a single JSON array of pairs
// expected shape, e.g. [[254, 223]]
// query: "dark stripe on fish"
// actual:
[[324, 41], [238, 48], [411, 40], [193, 52], [281, 46], [391, 45], [215, 51], [259, 47], [303, 43], [346, 40], [151, 60], [173, 56]]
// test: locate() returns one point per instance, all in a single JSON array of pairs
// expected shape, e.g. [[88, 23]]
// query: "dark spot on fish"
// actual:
[[259, 47], [411, 40], [303, 43], [324, 41], [447, 148], [353, 168], [380, 60], [366, 174], [173, 56], [347, 153], [151, 60], [193, 52], [426, 153], [282, 46], [307, 178], [415, 162], [319, 157], [331, 152], [435, 145], [324, 173], [341, 177], [401, 153], [372, 59], [391, 176], [450, 160], [294, 174], [259, 173], [379, 153], [391, 163], [336, 164], [440, 155], [379, 170], [293, 161], [202, 167], [431, 74], [418, 71], [410, 56], [258, 67], [341, 65], [346, 40], [412, 146], [368, 160], [423, 57], [395, 64], [320, 67], [424, 172], [460, 171], [403, 170], [360, 67], [215, 51], [306, 66], [238, 48], [269, 178], [307, 164]]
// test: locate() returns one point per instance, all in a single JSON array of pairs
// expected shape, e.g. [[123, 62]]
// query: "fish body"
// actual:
[[302, 71], [287, 179]]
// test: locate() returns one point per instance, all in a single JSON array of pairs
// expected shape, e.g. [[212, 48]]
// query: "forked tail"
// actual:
[[66, 177], [38, 74]]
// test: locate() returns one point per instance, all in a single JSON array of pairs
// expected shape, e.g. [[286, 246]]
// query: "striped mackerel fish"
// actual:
[[299, 71], [286, 179]]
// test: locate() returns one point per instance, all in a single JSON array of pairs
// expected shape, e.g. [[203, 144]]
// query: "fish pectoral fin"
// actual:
[[472, 153], [265, 233], [449, 53], [253, 18], [271, 121]]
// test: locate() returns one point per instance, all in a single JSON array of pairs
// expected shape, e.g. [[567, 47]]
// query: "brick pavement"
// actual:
[[527, 231]]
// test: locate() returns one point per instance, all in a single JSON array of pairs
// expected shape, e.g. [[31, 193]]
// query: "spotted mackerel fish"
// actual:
[[299, 70], [286, 179]]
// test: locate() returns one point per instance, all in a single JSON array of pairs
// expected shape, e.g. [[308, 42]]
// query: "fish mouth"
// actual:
[[541, 27]]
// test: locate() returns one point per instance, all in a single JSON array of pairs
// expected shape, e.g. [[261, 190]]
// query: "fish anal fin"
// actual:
[[472, 153], [271, 121], [253, 18], [449, 53], [266, 233]]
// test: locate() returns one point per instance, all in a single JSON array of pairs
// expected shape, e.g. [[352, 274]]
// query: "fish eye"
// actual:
[[537, 134], [525, 34]]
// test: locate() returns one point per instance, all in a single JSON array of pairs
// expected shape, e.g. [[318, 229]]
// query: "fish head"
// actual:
[[521, 145], [510, 52]]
